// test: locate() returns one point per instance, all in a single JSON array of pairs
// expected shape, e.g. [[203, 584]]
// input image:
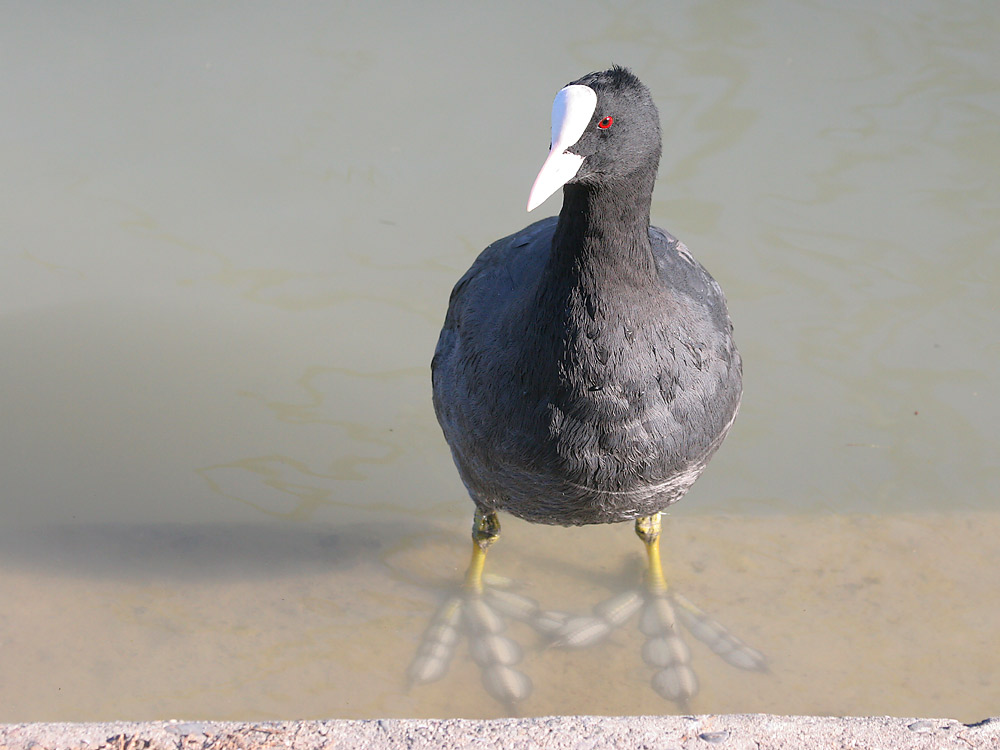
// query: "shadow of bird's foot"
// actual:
[[565, 630], [482, 619], [717, 637], [664, 649]]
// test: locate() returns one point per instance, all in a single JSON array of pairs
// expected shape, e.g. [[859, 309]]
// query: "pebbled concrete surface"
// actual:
[[730, 732]]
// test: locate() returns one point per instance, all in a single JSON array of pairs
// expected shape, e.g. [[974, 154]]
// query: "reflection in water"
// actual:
[[295, 486], [480, 612]]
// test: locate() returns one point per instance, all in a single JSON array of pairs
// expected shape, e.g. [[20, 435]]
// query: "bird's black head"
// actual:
[[624, 133], [604, 127]]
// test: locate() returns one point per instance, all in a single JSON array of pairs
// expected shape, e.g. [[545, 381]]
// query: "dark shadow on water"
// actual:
[[192, 551]]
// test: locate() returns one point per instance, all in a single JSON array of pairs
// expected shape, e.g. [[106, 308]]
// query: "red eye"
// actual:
[[606, 122]]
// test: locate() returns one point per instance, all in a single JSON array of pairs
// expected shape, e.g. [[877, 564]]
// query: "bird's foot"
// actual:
[[485, 531]]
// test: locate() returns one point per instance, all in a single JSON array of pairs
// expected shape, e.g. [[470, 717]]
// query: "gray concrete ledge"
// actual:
[[729, 732]]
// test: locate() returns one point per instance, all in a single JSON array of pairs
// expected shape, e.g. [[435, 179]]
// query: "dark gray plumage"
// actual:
[[586, 370]]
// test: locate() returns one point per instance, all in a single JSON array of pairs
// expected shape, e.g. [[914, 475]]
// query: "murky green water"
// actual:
[[227, 239]]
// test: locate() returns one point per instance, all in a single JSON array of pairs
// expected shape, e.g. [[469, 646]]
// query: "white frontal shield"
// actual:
[[571, 113]]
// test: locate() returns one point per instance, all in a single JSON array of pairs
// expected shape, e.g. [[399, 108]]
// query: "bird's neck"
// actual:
[[602, 239]]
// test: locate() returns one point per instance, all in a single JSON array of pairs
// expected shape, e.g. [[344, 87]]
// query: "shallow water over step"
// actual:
[[853, 614]]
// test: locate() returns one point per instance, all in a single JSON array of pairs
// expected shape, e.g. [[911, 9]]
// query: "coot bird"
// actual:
[[586, 370]]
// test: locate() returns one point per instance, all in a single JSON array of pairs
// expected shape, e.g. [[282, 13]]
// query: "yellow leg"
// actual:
[[648, 530], [485, 531]]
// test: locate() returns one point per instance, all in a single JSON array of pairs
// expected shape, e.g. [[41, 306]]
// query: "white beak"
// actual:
[[571, 113]]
